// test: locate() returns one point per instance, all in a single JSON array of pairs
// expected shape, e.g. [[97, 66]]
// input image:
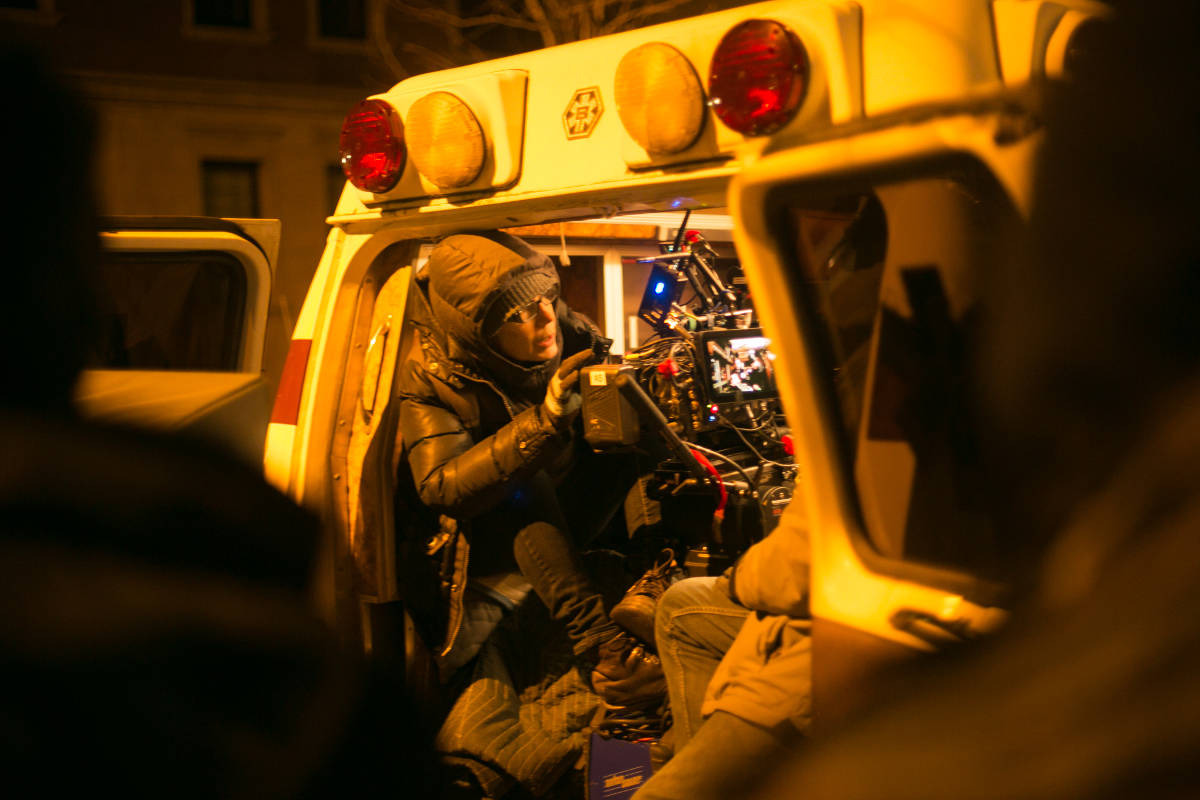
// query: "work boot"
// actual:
[[627, 674], [635, 612]]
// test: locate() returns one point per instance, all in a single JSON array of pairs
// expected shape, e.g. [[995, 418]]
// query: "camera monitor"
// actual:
[[662, 290], [739, 363]]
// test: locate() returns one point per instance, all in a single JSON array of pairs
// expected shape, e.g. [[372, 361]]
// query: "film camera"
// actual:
[[699, 399]]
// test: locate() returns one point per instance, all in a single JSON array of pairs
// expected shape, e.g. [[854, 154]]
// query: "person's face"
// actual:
[[530, 333]]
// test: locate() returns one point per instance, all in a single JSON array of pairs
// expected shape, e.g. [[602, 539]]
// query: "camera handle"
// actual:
[[647, 409]]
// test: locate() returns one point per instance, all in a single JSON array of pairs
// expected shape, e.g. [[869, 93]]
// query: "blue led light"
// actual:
[[659, 287]]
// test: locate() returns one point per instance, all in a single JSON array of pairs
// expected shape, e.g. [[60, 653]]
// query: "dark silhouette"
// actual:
[[1093, 436], [156, 636]]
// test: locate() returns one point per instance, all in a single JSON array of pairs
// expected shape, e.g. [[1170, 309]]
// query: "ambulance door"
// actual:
[[866, 258], [360, 592], [184, 305]]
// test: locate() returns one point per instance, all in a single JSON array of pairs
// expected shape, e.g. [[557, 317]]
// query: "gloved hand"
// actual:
[[563, 400]]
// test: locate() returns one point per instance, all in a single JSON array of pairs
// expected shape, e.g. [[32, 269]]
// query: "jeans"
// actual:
[[541, 530], [695, 624], [723, 760]]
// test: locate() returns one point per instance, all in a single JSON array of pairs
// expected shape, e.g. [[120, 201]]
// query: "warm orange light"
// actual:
[[659, 98], [445, 140]]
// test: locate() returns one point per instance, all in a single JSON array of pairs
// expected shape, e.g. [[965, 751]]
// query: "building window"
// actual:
[[342, 19], [230, 188], [223, 13], [226, 20], [342, 26]]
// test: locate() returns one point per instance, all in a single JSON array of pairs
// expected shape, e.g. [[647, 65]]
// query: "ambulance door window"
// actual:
[[889, 290], [171, 311], [839, 245]]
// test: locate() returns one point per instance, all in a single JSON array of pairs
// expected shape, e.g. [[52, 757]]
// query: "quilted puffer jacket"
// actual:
[[471, 422]]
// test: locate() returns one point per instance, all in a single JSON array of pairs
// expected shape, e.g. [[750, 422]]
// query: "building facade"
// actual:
[[217, 107]]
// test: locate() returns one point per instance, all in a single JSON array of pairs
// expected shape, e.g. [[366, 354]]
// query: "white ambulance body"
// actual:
[[761, 110]]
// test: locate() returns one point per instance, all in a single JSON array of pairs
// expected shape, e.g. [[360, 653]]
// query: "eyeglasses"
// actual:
[[530, 310]]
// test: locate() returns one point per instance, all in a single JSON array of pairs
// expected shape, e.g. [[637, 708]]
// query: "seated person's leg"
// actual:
[[722, 761], [531, 528], [574, 512], [695, 625], [548, 555], [550, 561]]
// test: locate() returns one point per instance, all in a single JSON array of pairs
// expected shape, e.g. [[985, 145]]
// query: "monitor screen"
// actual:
[[740, 365]]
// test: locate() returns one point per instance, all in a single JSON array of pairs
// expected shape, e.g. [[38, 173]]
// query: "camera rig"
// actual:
[[700, 400]]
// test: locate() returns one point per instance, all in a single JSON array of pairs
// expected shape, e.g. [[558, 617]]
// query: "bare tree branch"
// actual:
[[439, 16], [382, 45], [558, 9], [434, 58], [538, 14], [621, 21], [455, 36], [554, 21]]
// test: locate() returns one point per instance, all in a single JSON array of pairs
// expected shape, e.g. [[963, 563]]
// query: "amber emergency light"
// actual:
[[445, 140], [659, 98], [371, 146], [759, 74]]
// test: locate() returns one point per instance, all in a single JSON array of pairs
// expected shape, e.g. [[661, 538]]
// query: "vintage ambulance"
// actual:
[[868, 158]]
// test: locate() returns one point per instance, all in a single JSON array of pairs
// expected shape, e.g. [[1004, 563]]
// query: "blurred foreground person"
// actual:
[[1093, 690], [155, 632]]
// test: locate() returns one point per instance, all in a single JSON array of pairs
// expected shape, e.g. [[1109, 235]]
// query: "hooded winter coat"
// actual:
[[472, 426]]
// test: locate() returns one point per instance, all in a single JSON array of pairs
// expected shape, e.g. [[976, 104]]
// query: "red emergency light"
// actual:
[[758, 77], [371, 146]]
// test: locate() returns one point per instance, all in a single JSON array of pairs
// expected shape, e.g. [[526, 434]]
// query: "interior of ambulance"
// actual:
[[884, 271]]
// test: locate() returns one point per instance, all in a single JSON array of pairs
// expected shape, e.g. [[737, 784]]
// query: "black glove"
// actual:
[[563, 400]]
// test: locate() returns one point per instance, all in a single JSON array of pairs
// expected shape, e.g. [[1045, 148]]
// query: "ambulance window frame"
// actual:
[[976, 587]]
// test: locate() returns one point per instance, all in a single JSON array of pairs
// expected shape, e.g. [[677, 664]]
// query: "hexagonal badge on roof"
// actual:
[[583, 112]]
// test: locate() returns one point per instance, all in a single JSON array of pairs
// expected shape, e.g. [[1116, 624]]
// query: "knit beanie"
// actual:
[[516, 294]]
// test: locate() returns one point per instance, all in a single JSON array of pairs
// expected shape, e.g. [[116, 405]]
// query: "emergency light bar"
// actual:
[[463, 136], [469, 129]]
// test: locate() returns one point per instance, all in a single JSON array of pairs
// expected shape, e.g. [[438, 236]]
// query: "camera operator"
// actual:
[[487, 433]]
